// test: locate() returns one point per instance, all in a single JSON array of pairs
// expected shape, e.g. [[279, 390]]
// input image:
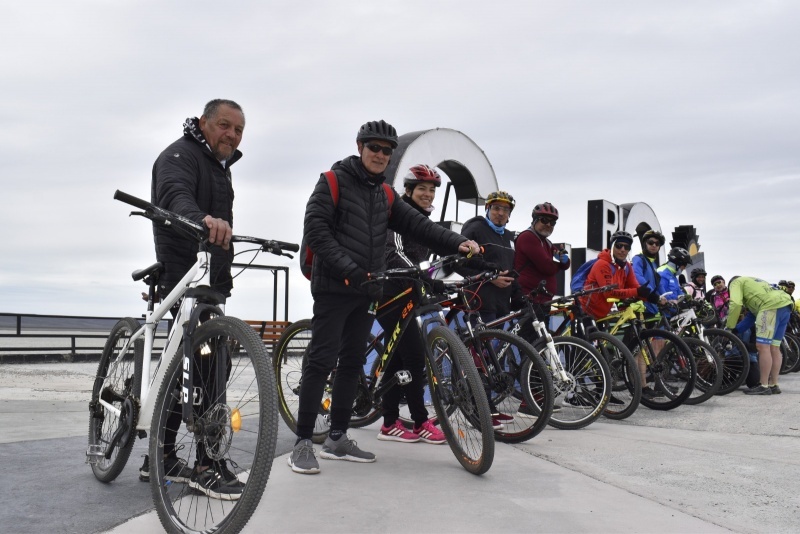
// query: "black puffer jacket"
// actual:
[[498, 249], [349, 240], [190, 181]]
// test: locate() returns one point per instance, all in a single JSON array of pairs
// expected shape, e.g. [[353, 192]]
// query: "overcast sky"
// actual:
[[692, 107]]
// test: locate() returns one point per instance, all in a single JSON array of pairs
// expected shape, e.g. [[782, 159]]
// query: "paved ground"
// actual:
[[730, 464]]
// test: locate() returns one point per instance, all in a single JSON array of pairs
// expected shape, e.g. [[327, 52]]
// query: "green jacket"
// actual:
[[756, 295]]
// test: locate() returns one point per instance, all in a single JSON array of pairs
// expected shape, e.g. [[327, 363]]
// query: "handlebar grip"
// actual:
[[132, 200], [291, 247]]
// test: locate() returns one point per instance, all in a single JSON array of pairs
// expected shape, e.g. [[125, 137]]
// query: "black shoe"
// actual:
[[175, 469], [775, 389], [615, 401], [218, 482], [650, 394], [759, 390]]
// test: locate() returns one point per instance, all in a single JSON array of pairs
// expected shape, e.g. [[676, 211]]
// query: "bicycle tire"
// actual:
[[626, 382], [794, 344], [790, 356], [459, 400], [734, 355], [246, 425], [288, 360], [530, 405], [364, 411], [674, 356], [709, 373], [584, 395], [122, 391]]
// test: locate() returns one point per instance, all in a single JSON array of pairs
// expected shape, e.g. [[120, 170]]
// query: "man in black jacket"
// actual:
[[192, 177], [349, 242]]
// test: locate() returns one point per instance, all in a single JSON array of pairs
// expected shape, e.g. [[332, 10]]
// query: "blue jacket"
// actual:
[[669, 283], [645, 271]]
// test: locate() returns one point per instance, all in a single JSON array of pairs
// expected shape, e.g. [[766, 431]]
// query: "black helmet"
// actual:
[[653, 234], [679, 256], [698, 272], [380, 130], [715, 278], [621, 235]]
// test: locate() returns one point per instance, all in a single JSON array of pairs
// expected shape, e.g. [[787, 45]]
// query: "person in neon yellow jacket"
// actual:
[[769, 309]]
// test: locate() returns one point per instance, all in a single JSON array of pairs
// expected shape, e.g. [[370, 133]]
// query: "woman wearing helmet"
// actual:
[[697, 287], [536, 258], [403, 251]]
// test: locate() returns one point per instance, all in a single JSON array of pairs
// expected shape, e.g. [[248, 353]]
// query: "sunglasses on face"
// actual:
[[719, 283], [654, 243], [502, 209], [622, 246], [387, 150], [547, 221]]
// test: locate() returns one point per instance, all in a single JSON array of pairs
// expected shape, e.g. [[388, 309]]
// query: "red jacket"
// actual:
[[533, 260], [604, 273]]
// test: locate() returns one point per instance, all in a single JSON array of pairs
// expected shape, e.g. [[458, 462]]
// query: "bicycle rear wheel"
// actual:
[[529, 403], [460, 402], [791, 358], [118, 382], [794, 344], [709, 371], [236, 428], [584, 394], [735, 358], [626, 382], [671, 374], [288, 360]]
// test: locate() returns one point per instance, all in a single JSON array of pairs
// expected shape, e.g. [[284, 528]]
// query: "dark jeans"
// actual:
[[410, 356], [339, 331]]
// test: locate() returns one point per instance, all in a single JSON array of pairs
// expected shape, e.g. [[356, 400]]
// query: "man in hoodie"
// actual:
[[349, 242], [646, 263]]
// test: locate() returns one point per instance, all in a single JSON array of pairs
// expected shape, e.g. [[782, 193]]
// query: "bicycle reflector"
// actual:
[[236, 420]]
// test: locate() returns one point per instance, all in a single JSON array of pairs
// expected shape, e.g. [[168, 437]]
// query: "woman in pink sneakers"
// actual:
[[420, 189]]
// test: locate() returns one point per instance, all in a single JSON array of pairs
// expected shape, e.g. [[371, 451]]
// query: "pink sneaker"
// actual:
[[429, 433], [397, 432]]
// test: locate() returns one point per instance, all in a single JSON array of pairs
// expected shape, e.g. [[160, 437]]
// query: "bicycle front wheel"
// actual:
[[118, 384], [709, 371], [583, 393], [235, 431], [672, 372], [528, 401], [459, 400], [626, 381], [734, 355]]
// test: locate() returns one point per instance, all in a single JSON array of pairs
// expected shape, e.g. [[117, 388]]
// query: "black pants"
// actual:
[[339, 331], [410, 356]]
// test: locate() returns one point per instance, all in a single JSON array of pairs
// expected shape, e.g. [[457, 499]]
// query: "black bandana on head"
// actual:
[[191, 127]]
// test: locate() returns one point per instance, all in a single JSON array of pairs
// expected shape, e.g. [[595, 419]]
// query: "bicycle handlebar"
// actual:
[[198, 231]]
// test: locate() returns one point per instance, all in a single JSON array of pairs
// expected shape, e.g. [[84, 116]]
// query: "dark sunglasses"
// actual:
[[622, 246], [387, 150], [718, 282], [547, 221], [654, 243]]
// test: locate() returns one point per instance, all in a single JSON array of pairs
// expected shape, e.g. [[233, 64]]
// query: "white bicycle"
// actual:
[[215, 404]]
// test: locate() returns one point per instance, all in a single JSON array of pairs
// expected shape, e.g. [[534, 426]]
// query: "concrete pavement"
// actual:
[[730, 464]]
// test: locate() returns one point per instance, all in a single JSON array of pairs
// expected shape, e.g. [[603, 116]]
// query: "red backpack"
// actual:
[[306, 254]]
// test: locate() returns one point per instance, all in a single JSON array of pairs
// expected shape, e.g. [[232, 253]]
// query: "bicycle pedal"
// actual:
[[403, 377], [94, 453]]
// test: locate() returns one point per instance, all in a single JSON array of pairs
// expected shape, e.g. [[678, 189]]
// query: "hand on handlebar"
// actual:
[[502, 280], [469, 247], [219, 231]]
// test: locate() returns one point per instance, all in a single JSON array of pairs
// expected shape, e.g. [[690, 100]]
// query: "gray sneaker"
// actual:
[[344, 449], [758, 390], [302, 459]]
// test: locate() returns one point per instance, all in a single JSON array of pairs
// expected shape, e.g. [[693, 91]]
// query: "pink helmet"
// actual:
[[422, 173]]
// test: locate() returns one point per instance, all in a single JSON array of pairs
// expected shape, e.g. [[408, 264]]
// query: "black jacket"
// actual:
[[498, 249], [349, 240], [190, 181]]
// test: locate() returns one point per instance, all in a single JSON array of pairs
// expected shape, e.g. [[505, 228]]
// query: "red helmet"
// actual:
[[421, 173], [544, 210]]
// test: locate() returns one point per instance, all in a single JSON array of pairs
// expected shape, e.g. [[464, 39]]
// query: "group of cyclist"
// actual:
[[362, 228]]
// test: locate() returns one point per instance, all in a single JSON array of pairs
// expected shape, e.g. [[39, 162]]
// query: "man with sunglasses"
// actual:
[[645, 266], [349, 242], [536, 258], [612, 267]]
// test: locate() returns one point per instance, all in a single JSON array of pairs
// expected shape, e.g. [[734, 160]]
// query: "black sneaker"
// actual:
[[758, 390], [650, 394], [775, 389], [175, 468], [615, 401], [218, 482]]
